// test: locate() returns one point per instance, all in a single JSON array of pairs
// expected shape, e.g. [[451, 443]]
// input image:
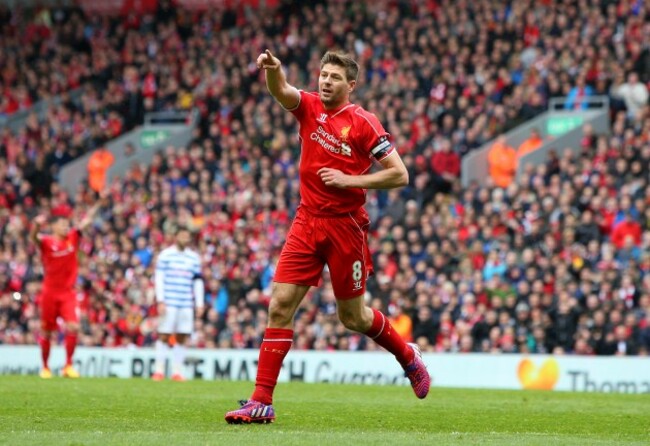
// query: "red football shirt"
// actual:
[[346, 138], [60, 261]]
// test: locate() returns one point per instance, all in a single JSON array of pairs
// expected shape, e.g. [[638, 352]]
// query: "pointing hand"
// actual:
[[268, 61]]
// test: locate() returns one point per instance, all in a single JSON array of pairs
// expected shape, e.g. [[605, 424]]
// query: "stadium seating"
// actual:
[[557, 263]]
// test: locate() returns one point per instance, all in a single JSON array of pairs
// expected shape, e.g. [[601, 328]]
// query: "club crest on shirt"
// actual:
[[344, 133]]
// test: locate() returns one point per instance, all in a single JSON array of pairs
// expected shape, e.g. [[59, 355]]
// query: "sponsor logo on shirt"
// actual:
[[330, 142], [65, 252], [322, 118]]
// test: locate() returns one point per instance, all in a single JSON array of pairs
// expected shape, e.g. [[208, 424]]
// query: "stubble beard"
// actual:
[[333, 101]]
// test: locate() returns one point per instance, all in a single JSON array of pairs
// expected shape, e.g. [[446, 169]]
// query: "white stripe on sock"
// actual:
[[383, 324]]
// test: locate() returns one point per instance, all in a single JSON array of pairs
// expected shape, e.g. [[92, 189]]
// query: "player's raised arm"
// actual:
[[276, 81], [36, 229], [92, 212]]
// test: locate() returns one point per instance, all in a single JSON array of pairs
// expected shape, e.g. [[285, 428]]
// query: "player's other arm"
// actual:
[[394, 174], [276, 81], [377, 143], [198, 287], [199, 294]]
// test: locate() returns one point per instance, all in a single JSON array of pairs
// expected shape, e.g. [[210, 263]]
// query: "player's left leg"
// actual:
[[350, 264], [162, 349], [178, 357], [356, 316], [179, 352], [70, 313], [166, 327], [184, 328]]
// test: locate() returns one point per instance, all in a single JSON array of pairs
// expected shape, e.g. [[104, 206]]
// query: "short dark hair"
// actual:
[[55, 218], [342, 60], [180, 228]]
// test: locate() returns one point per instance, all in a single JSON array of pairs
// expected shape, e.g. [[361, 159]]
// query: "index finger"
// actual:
[[322, 170], [268, 53]]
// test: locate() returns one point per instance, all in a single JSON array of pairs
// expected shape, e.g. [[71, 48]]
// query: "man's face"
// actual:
[[333, 86], [183, 239], [61, 227]]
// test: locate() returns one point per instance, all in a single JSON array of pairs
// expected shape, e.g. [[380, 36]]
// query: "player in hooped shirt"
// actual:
[[340, 140], [58, 298]]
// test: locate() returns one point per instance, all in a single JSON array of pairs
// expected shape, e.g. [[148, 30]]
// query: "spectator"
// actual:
[[236, 184], [627, 228], [425, 326], [623, 344], [98, 164], [533, 142], [402, 323], [502, 162], [445, 165], [565, 320], [576, 99], [634, 93]]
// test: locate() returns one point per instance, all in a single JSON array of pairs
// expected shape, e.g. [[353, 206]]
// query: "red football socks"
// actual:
[[275, 346], [45, 350], [382, 332], [70, 344]]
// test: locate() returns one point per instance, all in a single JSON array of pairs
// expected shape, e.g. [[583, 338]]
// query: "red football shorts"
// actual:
[[58, 304], [340, 241]]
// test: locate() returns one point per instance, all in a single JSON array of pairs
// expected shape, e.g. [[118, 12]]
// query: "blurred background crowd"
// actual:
[[556, 262]]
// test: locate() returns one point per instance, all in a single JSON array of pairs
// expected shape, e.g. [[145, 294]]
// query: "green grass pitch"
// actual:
[[143, 412]]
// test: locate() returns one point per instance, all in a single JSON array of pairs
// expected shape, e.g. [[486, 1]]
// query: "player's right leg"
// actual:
[[48, 325], [45, 342], [300, 267], [277, 341]]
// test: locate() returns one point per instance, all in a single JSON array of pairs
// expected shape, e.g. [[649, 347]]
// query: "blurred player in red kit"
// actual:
[[58, 298], [339, 142]]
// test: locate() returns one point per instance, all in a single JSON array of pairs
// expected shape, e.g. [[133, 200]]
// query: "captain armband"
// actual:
[[383, 148]]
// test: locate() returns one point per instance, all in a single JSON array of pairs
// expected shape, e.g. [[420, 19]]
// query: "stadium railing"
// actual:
[[16, 121], [28, 4], [160, 130], [561, 130]]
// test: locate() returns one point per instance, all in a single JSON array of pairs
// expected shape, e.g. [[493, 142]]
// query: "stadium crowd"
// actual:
[[102, 75], [558, 262]]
